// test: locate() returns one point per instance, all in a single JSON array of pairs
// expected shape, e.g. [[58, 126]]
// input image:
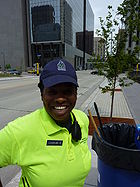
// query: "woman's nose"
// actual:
[[60, 98]]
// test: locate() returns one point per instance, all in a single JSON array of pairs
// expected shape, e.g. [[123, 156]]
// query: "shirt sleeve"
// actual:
[[9, 149]]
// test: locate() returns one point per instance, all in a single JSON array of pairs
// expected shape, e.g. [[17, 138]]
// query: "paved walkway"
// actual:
[[89, 95], [132, 96], [103, 101]]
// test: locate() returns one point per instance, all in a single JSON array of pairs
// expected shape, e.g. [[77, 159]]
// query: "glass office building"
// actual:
[[54, 24]]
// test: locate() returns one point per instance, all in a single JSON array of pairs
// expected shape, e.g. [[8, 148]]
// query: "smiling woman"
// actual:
[[59, 100], [51, 141]]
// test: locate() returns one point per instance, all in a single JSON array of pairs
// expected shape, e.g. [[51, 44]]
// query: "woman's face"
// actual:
[[59, 100]]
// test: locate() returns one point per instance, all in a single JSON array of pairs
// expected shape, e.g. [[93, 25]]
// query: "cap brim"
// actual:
[[57, 79]]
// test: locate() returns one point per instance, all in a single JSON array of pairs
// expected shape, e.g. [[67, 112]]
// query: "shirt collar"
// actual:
[[49, 124]]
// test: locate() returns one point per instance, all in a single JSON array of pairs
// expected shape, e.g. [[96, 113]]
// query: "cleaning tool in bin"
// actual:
[[94, 124], [99, 118], [98, 115]]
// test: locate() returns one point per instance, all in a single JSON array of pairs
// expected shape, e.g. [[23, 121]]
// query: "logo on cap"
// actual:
[[61, 66]]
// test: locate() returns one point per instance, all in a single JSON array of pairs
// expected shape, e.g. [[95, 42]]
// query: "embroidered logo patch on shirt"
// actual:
[[61, 66], [54, 142]]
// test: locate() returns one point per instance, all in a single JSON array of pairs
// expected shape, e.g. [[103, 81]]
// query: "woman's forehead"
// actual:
[[62, 85]]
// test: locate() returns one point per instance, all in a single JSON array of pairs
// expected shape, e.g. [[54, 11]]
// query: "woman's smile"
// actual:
[[59, 100]]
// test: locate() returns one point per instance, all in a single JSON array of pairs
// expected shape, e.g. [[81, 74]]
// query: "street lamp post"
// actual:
[[84, 32], [3, 54]]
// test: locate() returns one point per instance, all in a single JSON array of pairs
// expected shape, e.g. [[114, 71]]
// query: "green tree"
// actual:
[[7, 66], [117, 58], [130, 17]]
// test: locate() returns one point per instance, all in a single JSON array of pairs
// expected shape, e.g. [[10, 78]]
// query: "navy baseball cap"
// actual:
[[58, 71]]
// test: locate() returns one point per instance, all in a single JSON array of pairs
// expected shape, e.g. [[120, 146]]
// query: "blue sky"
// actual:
[[100, 9]]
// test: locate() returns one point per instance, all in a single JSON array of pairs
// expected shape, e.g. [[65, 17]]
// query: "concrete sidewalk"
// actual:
[[103, 101]]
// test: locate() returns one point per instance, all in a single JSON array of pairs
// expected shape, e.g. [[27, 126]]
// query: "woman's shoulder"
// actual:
[[80, 115], [28, 121]]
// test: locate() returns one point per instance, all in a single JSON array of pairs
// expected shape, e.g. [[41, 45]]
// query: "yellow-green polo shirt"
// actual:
[[45, 151]]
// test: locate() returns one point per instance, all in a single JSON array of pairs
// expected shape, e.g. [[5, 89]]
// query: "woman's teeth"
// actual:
[[60, 107]]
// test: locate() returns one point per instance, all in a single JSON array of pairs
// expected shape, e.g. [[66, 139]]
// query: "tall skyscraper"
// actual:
[[14, 34], [34, 31], [89, 43], [54, 24]]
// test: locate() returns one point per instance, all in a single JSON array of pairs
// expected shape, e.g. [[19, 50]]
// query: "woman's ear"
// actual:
[[41, 87], [41, 95]]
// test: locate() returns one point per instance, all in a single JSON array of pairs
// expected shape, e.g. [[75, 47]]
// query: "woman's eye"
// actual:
[[65, 92], [51, 92], [68, 92]]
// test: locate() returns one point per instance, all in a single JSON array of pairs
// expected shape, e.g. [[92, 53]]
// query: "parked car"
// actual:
[[94, 72], [13, 72], [32, 71]]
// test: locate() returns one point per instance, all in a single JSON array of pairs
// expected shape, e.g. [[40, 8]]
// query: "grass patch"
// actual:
[[8, 75]]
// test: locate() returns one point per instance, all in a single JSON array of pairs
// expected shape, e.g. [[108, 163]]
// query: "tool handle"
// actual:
[[94, 124], [98, 115]]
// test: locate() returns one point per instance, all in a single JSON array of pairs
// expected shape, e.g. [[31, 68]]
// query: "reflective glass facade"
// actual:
[[67, 14], [54, 26], [77, 17], [54, 20], [45, 20]]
